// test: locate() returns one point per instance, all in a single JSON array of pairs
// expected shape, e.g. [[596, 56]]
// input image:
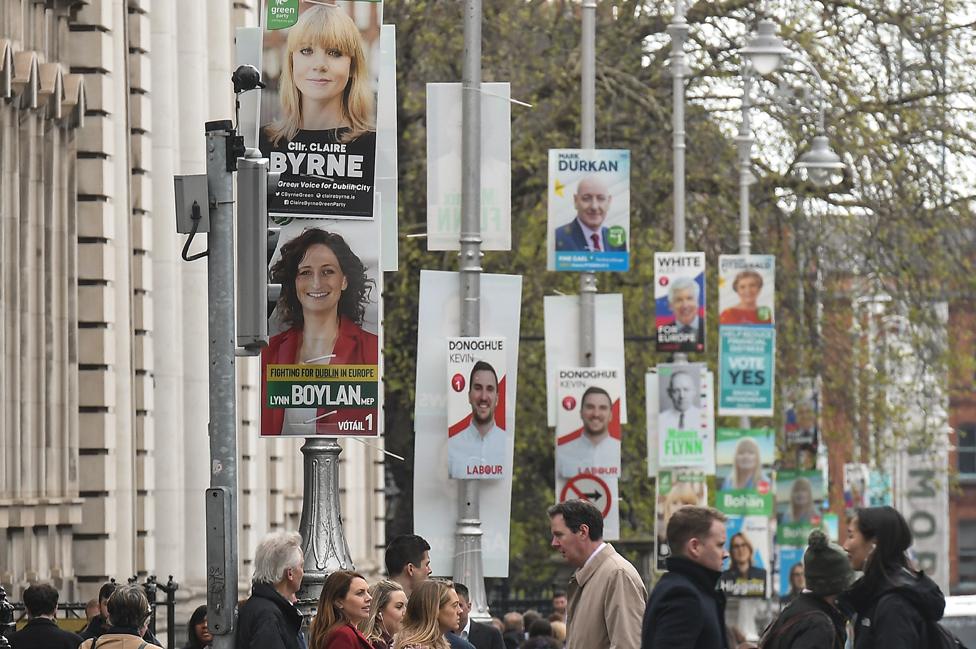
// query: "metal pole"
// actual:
[[323, 542], [588, 141], [222, 579], [468, 566], [745, 140], [678, 29]]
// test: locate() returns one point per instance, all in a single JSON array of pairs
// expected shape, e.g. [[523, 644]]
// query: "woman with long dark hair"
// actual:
[[197, 634], [343, 604], [894, 603]]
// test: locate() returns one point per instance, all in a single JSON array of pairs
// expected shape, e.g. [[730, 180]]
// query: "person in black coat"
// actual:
[[482, 636], [812, 620], [685, 608], [894, 605], [42, 632], [269, 619]]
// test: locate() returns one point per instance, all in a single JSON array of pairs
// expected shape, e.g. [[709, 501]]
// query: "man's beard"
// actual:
[[593, 433], [478, 420]]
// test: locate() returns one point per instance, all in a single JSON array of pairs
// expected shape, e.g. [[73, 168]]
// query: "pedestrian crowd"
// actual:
[[891, 605]]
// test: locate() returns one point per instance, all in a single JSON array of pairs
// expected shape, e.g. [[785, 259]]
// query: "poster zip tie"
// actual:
[[309, 361], [417, 235], [381, 450], [324, 414], [321, 2], [492, 94]]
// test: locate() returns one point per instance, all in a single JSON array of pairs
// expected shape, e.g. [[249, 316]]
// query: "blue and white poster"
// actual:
[[589, 210]]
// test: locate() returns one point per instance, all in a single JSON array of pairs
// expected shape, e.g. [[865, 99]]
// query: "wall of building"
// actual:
[[103, 339]]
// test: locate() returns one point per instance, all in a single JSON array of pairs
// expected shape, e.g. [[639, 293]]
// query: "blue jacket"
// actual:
[[570, 237], [686, 610]]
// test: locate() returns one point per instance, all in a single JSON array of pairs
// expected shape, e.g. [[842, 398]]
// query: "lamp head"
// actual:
[[820, 165], [765, 49]]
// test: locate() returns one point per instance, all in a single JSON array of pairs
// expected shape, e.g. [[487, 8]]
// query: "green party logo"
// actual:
[[616, 236], [764, 314], [282, 14]]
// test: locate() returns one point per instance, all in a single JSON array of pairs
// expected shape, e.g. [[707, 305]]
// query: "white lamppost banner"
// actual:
[[434, 493], [444, 166]]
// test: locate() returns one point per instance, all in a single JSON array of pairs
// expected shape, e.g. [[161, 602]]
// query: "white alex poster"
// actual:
[[444, 166], [434, 493], [679, 301], [588, 432], [476, 387], [685, 422], [386, 148], [318, 111], [562, 341], [589, 210]]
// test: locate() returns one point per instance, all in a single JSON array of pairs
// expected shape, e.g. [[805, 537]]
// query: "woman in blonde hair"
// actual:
[[385, 613], [432, 610], [746, 466], [802, 507], [324, 83], [343, 604]]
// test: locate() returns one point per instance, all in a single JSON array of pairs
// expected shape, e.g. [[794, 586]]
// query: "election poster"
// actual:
[[679, 301], [747, 569], [444, 166], [589, 210], [799, 496], [685, 426], [562, 318], [747, 363], [676, 488], [435, 494], [857, 477], [588, 425], [321, 369], [879, 488], [652, 398], [318, 111], [386, 149], [477, 441], [746, 289], [744, 459], [801, 430], [791, 578]]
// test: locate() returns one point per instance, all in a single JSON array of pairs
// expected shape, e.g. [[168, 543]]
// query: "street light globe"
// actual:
[[765, 49], [820, 165]]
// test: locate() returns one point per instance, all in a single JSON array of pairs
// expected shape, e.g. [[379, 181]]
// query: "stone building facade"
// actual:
[[103, 382]]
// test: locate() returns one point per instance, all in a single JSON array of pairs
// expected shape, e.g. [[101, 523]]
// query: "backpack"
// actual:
[[941, 638]]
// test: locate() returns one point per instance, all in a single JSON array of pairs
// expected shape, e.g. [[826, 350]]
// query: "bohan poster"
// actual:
[[744, 459], [747, 338], [321, 369], [589, 210], [679, 301], [477, 441], [799, 495], [684, 427], [318, 111]]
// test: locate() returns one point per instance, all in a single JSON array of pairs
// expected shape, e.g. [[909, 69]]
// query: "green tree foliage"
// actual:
[[900, 223]]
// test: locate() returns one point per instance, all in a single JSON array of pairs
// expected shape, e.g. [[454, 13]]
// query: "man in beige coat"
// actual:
[[606, 594]]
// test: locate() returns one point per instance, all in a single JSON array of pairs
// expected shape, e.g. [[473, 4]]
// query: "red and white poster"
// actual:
[[477, 436]]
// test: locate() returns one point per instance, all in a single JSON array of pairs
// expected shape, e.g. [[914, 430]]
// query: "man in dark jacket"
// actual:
[[99, 624], [482, 636], [42, 632], [812, 620], [685, 609], [269, 619]]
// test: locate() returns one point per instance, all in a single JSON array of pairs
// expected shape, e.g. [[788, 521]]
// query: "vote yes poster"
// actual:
[[318, 111], [747, 338], [477, 441], [679, 301]]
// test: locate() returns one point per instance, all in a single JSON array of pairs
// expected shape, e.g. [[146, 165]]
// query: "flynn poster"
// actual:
[[679, 301], [589, 210], [747, 337], [684, 426], [318, 111], [477, 441], [330, 291]]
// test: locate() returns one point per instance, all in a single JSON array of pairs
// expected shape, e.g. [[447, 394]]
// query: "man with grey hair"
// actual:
[[269, 619], [684, 330]]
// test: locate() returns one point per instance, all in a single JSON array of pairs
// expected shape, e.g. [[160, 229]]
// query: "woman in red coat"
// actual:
[[343, 604], [324, 293]]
